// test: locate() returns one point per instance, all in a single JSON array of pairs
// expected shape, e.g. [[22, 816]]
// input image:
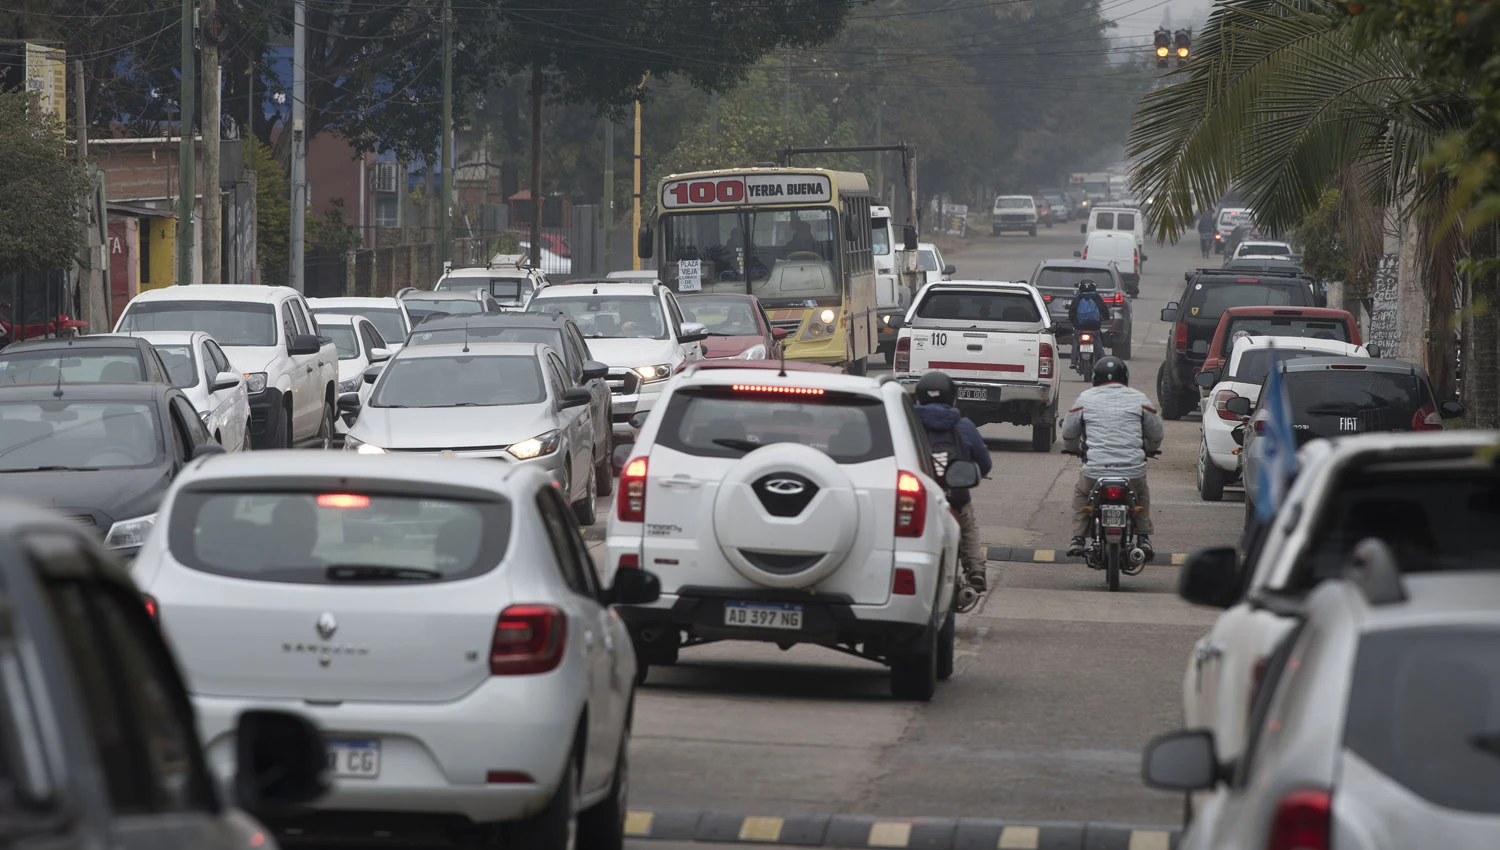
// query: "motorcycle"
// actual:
[[1083, 361], [1113, 544], [962, 473]]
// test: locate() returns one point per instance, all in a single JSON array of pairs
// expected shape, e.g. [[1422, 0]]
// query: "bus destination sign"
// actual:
[[748, 189]]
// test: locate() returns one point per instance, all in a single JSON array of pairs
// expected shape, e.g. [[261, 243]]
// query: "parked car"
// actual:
[[441, 619], [508, 279], [1057, 282], [1298, 322], [388, 314], [270, 338], [998, 343], [103, 759], [360, 346], [497, 400], [1014, 212], [103, 454], [100, 358], [792, 519], [1256, 249], [197, 366], [425, 304], [737, 327], [1119, 248], [930, 263]]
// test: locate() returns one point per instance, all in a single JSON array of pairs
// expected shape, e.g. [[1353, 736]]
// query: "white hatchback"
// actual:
[[1249, 362], [440, 619], [199, 368], [791, 507]]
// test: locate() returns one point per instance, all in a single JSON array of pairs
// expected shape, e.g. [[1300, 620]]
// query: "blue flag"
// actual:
[[1279, 449]]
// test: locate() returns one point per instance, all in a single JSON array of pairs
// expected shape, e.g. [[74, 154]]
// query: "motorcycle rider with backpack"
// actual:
[[1088, 312], [952, 436], [1207, 227], [1118, 427]]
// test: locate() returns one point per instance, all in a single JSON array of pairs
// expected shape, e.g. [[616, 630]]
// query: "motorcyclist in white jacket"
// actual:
[[1118, 426]]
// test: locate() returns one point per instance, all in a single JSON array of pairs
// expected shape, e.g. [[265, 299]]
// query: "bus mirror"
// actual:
[[908, 238], [643, 242]]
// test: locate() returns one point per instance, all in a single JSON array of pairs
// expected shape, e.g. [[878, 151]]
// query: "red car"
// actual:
[[1316, 322], [737, 327]]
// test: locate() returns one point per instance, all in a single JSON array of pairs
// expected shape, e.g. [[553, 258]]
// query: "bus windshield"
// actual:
[[791, 256]]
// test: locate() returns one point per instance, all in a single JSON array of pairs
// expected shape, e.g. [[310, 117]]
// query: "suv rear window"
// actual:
[[509, 291], [1424, 709], [1303, 326], [724, 422], [1068, 278], [978, 306], [337, 537], [1209, 299], [1335, 402]]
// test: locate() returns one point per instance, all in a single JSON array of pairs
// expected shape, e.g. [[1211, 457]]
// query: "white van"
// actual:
[[1126, 219], [1122, 249]]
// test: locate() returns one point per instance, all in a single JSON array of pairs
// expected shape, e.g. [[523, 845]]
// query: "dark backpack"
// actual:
[[1088, 312], [948, 446]]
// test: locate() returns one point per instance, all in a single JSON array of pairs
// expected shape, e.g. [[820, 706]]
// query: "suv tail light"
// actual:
[[1427, 419], [1303, 821], [528, 639], [1222, 398], [1115, 298], [1179, 336], [632, 505], [1045, 360], [911, 505], [902, 362]]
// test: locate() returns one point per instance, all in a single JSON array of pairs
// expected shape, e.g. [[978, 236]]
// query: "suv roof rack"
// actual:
[[1372, 567]]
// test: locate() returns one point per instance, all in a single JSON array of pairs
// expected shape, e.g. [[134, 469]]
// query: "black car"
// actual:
[[1195, 317], [100, 745], [1271, 265], [103, 454], [86, 359], [1057, 281]]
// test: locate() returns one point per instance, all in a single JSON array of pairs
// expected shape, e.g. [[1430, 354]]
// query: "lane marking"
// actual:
[[1179, 558], [1043, 556], [1019, 838], [1149, 839], [639, 823], [889, 834], [757, 828]]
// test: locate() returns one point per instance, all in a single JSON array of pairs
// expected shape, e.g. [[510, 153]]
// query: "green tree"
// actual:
[[331, 231], [273, 215], [40, 190]]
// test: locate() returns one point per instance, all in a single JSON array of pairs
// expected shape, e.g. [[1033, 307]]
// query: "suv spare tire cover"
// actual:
[[786, 516]]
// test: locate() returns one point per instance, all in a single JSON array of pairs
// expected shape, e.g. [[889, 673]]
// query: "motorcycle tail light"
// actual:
[[911, 505], [1112, 493], [1085, 337], [1045, 360], [902, 361], [632, 504], [528, 639]]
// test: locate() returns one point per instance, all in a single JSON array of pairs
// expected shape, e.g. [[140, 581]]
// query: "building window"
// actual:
[[386, 209]]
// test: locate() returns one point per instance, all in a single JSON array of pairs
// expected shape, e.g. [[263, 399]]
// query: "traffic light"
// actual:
[[1163, 47], [1184, 41]]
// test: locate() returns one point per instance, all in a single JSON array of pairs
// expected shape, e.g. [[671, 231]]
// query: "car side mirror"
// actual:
[[620, 457], [300, 344], [638, 419], [1207, 378], [1078, 253], [634, 587], [782, 333], [379, 355], [574, 397], [225, 381], [1451, 409], [693, 332], [961, 474], [593, 370], [898, 321], [909, 238], [1373, 349], [1237, 433], [207, 450], [1182, 761], [1239, 406], [349, 402], [950, 269], [281, 764], [643, 242], [1169, 312], [1211, 577], [372, 372]]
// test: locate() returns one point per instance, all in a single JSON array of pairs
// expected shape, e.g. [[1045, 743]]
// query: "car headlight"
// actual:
[[352, 444], [352, 385], [754, 352], [543, 444], [650, 374], [826, 317], [255, 382], [130, 533], [886, 319]]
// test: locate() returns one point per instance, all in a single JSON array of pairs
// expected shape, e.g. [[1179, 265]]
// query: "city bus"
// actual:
[[799, 239]]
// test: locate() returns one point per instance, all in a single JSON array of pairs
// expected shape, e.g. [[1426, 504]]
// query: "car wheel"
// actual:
[[947, 636], [245, 444], [1044, 434], [1032, 231], [914, 676], [586, 510], [604, 476], [1210, 477], [284, 440], [1165, 397], [602, 827], [324, 439], [555, 827], [1122, 348]]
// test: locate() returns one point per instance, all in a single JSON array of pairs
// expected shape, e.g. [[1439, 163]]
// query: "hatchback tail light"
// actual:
[[1303, 821], [1179, 337], [1112, 493], [632, 504], [1222, 398], [1085, 253], [911, 505], [1045, 360], [902, 362], [1427, 419], [1260, 426], [150, 602], [528, 639]]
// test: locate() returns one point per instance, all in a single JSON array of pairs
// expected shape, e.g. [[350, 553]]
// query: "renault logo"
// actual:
[[785, 486], [327, 625]]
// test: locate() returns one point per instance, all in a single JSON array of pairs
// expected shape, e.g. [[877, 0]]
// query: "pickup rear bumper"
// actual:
[[1009, 402]]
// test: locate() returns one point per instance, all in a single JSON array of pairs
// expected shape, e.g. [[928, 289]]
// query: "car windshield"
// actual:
[[230, 323], [881, 236], [610, 317], [1059, 277], [1333, 402], [344, 339], [71, 366], [480, 333], [965, 305], [725, 422], [181, 367], [1295, 326], [387, 320], [927, 261], [467, 380], [509, 291], [65, 434], [723, 316], [791, 256], [334, 537], [452, 306], [1014, 204]]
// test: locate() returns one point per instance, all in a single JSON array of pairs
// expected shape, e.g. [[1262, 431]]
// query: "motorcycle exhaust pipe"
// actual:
[[968, 597], [1137, 556]]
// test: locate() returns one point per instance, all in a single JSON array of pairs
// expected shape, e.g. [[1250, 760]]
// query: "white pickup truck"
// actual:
[[997, 343]]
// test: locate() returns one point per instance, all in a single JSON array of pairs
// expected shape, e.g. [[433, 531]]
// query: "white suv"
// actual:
[[1014, 212], [792, 507], [636, 329]]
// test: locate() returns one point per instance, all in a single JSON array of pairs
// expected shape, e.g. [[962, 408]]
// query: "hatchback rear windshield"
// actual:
[[1210, 300], [180, 365], [1255, 364], [1424, 709], [978, 306], [109, 366], [1337, 402], [1057, 277], [468, 380], [1333, 329], [509, 291], [723, 422], [337, 537]]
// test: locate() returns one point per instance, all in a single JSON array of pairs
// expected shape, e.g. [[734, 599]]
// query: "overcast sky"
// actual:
[[1138, 19]]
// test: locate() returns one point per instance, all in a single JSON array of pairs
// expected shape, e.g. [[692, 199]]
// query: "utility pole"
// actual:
[[187, 174], [635, 201], [213, 250], [713, 121], [609, 197], [93, 272], [536, 166], [445, 203], [879, 114], [786, 98], [299, 143]]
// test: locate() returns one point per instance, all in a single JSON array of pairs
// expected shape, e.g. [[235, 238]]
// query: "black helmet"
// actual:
[[1111, 370], [1087, 286], [936, 388]]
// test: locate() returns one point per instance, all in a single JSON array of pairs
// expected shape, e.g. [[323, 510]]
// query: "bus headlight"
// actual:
[[826, 317]]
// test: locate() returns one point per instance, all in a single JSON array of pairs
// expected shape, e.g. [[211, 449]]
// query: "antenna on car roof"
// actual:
[[57, 391], [782, 355], [466, 337]]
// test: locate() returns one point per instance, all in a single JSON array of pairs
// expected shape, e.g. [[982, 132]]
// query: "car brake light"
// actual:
[[911, 505], [343, 500], [150, 603], [528, 639], [630, 562], [1047, 298], [632, 505], [1112, 493], [1085, 253], [1179, 336], [507, 777], [1247, 280], [1260, 426], [1222, 398], [1426, 419], [763, 388], [1045, 360], [1303, 821], [1116, 298], [906, 583], [902, 362]]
